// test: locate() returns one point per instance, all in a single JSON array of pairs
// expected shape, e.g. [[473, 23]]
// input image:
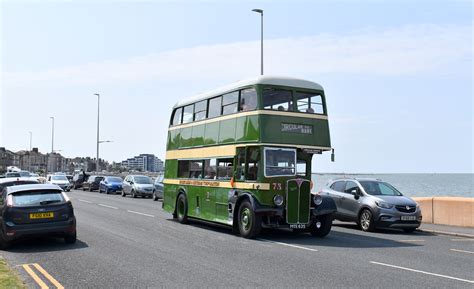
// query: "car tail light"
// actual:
[[9, 201]]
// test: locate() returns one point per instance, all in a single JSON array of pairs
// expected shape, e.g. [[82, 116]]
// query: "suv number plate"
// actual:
[[408, 218], [297, 226]]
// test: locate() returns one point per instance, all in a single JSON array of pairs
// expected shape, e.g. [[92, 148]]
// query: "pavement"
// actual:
[[133, 243], [448, 230]]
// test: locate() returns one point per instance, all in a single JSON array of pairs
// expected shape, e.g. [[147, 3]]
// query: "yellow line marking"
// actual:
[[48, 276], [462, 251], [35, 277]]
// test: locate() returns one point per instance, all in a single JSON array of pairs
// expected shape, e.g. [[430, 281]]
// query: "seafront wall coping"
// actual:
[[453, 211]]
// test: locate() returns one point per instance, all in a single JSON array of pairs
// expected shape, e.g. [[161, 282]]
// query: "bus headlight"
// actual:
[[278, 200], [317, 199]]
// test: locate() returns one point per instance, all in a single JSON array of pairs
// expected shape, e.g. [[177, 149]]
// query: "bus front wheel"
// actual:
[[182, 209], [249, 223], [322, 226]]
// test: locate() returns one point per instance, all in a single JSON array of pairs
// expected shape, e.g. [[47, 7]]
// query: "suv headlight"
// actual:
[[383, 205]]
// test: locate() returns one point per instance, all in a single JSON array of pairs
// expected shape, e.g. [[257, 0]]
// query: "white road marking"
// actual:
[[289, 245], [462, 251], [411, 240], [463, 240], [107, 206], [84, 201], [138, 213], [422, 272]]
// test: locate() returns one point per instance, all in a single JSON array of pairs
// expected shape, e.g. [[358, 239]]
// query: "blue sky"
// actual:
[[397, 74]]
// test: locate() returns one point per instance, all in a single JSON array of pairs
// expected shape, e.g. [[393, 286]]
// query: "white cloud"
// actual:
[[408, 50]]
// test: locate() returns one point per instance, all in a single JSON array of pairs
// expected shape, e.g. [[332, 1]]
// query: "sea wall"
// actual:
[[452, 211]]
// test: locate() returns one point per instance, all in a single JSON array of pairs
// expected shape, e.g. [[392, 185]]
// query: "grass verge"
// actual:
[[8, 277]]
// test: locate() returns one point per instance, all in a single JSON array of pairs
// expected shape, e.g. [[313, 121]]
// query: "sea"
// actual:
[[413, 185]]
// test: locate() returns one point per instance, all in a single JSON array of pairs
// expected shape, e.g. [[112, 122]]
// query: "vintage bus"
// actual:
[[241, 156]]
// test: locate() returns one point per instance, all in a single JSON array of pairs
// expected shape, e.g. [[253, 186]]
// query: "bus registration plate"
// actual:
[[297, 226]]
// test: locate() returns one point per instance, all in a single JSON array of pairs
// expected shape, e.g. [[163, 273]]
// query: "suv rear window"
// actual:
[[37, 198]]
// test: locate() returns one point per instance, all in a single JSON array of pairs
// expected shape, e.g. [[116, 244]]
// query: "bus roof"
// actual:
[[271, 80]]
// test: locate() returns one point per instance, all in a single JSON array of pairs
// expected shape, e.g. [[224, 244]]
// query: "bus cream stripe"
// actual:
[[220, 184], [215, 151], [250, 113], [225, 150]]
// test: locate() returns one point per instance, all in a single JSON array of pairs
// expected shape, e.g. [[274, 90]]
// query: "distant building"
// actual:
[[144, 163], [33, 160], [8, 158]]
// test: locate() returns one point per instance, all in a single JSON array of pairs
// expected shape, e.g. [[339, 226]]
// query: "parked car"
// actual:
[[13, 175], [35, 209], [78, 179], [110, 184], [158, 193], [25, 174], [7, 182], [372, 203], [136, 185], [92, 183], [59, 180]]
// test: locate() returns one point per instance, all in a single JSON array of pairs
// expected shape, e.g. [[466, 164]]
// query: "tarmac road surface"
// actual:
[[125, 243]]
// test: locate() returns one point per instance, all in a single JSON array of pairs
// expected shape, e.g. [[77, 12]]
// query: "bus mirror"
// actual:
[[333, 156]]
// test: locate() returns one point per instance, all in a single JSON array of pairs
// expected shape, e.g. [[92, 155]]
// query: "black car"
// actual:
[[78, 179], [35, 209], [92, 183]]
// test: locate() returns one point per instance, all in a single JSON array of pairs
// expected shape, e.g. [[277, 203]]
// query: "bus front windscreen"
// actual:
[[280, 162]]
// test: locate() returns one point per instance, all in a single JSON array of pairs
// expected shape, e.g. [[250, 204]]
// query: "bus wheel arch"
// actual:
[[181, 207]]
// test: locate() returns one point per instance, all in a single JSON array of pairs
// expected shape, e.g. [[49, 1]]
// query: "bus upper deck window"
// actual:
[[277, 99], [309, 102], [177, 116], [229, 102], [188, 113], [248, 99]]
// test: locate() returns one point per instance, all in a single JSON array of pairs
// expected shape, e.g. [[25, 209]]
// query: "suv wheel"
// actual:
[[366, 221]]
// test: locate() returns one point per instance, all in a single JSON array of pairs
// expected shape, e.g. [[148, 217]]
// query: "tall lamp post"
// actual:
[[98, 114], [31, 137], [261, 39], [52, 134]]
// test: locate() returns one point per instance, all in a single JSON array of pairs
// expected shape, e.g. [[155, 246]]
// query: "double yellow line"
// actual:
[[29, 269]]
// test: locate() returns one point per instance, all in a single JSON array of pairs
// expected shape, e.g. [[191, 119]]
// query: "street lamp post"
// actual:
[[98, 114], [261, 38], [52, 134], [31, 137]]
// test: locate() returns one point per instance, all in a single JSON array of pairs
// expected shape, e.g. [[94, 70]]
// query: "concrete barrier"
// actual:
[[447, 210]]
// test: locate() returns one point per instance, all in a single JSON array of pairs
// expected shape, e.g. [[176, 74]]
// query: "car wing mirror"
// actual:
[[356, 193]]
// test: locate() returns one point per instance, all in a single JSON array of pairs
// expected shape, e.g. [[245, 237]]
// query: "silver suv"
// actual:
[[372, 203]]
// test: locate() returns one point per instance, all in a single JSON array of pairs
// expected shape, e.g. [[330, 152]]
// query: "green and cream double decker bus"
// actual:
[[241, 155]]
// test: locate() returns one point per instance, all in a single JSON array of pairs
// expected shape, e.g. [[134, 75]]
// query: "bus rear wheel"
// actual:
[[182, 209], [248, 222]]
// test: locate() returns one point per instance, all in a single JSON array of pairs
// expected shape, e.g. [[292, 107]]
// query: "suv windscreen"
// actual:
[[142, 180], [379, 188], [114, 180], [37, 198], [59, 178]]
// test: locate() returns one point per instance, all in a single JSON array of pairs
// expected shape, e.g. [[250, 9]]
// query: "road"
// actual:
[[125, 242]]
